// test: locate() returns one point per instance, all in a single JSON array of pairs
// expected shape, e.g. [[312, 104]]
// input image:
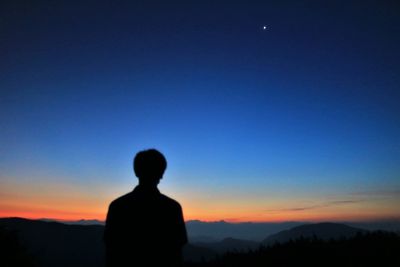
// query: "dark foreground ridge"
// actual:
[[324, 231], [47, 244], [364, 249]]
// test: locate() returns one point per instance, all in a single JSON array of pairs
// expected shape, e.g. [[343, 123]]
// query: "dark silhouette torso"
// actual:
[[144, 228]]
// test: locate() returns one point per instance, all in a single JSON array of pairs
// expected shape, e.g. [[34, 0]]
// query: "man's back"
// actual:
[[144, 228]]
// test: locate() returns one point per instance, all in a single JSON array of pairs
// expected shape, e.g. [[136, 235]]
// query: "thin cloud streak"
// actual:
[[362, 195], [380, 193], [324, 205]]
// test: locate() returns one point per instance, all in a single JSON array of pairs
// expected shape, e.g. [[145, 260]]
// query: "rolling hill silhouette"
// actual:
[[230, 244], [57, 244], [323, 231], [200, 231], [194, 253], [368, 249], [78, 222], [65, 245]]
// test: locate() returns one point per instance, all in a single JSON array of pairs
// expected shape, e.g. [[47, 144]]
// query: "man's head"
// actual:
[[149, 166]]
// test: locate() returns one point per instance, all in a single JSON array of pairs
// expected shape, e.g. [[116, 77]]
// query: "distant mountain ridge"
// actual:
[[322, 231], [219, 230], [229, 244], [200, 231], [67, 245], [58, 244], [73, 245], [76, 222], [209, 232]]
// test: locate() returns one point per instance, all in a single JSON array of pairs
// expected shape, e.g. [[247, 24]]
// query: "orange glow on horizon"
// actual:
[[68, 202], [60, 216], [75, 216]]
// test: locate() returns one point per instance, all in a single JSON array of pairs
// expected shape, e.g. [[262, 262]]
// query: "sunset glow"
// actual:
[[298, 122]]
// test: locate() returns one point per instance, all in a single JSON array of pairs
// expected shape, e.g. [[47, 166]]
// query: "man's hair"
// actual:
[[149, 163]]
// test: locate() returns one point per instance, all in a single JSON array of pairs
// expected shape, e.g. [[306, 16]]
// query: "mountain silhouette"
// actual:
[[368, 249], [57, 244], [323, 231], [69, 245], [78, 222], [201, 231], [209, 232], [229, 244], [194, 253]]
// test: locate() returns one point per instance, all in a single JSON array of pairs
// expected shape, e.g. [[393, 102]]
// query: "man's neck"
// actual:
[[147, 187]]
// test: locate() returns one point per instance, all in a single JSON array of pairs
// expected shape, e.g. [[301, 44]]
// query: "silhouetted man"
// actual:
[[145, 227]]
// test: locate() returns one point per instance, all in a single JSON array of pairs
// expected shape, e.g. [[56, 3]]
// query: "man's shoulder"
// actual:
[[121, 200], [170, 201], [129, 197]]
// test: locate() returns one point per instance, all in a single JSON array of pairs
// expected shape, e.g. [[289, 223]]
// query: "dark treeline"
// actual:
[[12, 252], [367, 249]]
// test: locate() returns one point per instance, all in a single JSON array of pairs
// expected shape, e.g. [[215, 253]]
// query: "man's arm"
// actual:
[[109, 236], [182, 234]]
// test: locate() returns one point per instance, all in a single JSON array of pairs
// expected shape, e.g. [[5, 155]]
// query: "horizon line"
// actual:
[[394, 219]]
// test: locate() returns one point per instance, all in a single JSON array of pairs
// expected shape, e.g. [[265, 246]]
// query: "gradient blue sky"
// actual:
[[299, 121]]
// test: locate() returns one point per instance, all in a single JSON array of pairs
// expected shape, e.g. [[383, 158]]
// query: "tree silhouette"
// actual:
[[12, 252], [364, 249]]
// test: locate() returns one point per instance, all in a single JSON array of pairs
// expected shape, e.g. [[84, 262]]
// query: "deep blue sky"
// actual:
[[308, 106]]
